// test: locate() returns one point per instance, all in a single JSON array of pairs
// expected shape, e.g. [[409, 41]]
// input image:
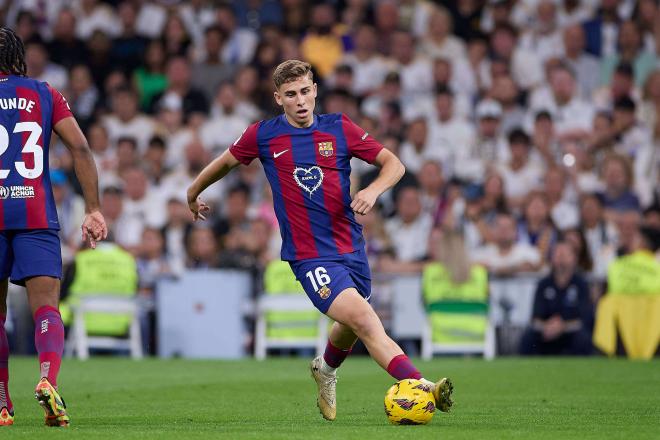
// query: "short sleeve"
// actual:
[[360, 144], [245, 149], [61, 109]]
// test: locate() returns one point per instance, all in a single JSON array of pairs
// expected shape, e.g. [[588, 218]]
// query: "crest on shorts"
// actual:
[[325, 149], [324, 292]]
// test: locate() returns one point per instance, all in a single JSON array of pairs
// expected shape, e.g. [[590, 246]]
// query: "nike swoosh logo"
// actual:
[[276, 155]]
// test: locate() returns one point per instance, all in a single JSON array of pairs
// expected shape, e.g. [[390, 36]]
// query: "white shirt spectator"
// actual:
[[518, 183], [219, 132], [520, 253], [55, 75], [446, 139], [102, 18], [577, 114], [151, 20], [141, 127], [368, 74], [416, 77], [410, 240]]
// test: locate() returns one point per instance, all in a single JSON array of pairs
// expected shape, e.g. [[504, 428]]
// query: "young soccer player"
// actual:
[[306, 159], [29, 245]]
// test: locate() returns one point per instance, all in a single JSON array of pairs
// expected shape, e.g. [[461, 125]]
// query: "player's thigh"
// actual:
[[36, 253], [352, 310], [323, 280]]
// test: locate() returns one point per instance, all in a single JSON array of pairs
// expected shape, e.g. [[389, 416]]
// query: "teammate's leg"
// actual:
[[352, 310], [43, 296], [6, 407]]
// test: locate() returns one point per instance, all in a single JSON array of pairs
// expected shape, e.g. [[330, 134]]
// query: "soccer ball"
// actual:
[[409, 402]]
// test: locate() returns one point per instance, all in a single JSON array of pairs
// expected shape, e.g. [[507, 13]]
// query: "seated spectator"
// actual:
[[617, 195], [210, 71], [536, 227], [520, 174], [235, 213], [150, 78], [627, 223], [152, 261], [562, 316], [505, 256], [600, 234], [41, 68], [179, 83], [563, 209], [575, 237], [227, 124], [410, 227], [202, 249], [126, 120]]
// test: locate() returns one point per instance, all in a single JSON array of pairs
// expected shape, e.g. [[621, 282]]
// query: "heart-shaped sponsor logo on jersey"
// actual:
[[308, 179]]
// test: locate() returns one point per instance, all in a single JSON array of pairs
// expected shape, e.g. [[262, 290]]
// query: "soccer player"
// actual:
[[306, 159], [29, 245]]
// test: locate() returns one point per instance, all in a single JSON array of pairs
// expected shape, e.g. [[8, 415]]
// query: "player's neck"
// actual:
[[295, 124]]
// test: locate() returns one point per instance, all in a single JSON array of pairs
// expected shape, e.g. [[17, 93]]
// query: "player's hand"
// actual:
[[94, 228], [198, 208], [363, 201]]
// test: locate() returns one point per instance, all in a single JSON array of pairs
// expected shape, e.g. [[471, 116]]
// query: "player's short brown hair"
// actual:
[[291, 70]]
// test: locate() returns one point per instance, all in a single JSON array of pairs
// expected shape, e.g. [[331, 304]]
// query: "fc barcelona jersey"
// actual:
[[309, 172], [29, 110]]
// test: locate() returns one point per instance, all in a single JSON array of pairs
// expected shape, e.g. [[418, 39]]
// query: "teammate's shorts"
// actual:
[[324, 278], [27, 253]]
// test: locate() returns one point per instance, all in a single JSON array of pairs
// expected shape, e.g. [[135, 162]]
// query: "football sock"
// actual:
[[333, 357], [400, 368], [5, 400], [49, 340]]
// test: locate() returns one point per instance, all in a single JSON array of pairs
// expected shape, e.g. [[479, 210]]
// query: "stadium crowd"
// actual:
[[529, 128]]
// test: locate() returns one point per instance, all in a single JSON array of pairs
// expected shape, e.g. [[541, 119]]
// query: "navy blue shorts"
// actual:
[[28, 253], [324, 278]]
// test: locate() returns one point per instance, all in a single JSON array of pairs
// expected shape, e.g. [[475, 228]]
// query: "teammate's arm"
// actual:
[[391, 170], [93, 227], [213, 172]]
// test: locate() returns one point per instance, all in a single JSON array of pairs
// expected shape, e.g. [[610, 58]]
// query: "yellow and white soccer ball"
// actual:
[[409, 402]]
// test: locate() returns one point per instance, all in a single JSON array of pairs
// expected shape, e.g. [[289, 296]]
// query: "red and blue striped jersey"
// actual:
[[29, 109], [309, 172]]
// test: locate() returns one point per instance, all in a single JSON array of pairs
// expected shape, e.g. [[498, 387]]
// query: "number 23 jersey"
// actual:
[[29, 109], [309, 173]]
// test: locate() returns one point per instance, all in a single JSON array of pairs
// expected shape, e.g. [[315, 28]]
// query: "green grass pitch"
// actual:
[[111, 398]]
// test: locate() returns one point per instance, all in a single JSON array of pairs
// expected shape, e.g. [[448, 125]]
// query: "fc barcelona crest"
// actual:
[[325, 149]]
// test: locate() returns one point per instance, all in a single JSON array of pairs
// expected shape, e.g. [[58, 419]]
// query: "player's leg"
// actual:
[[38, 265], [6, 407], [352, 310], [6, 258]]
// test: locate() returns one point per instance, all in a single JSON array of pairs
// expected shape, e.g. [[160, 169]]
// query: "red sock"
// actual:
[[401, 368], [49, 340], [5, 400], [334, 356]]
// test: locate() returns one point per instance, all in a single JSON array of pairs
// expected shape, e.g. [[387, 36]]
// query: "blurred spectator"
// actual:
[[93, 16], [417, 148], [575, 237], [151, 19], [439, 41], [377, 240], [505, 91], [197, 16], [210, 71], [178, 84], [149, 78], [410, 227], [235, 215], [176, 40], [544, 36], [128, 47], [621, 86], [488, 147], [563, 208], [126, 120], [600, 233], [627, 223], [177, 134], [562, 316], [617, 177], [432, 188], [226, 125], [257, 14], [202, 249], [82, 95], [99, 47], [154, 161], [152, 262], [241, 41], [415, 70], [520, 175], [629, 50], [66, 48], [174, 232], [111, 208], [369, 67], [41, 68], [525, 66], [448, 133], [583, 64], [141, 207], [572, 115], [25, 25], [536, 227], [323, 46], [505, 256]]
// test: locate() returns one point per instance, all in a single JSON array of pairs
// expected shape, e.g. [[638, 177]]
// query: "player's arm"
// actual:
[[213, 172], [93, 227], [391, 171]]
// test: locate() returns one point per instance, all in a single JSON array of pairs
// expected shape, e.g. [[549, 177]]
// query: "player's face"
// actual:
[[298, 99]]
